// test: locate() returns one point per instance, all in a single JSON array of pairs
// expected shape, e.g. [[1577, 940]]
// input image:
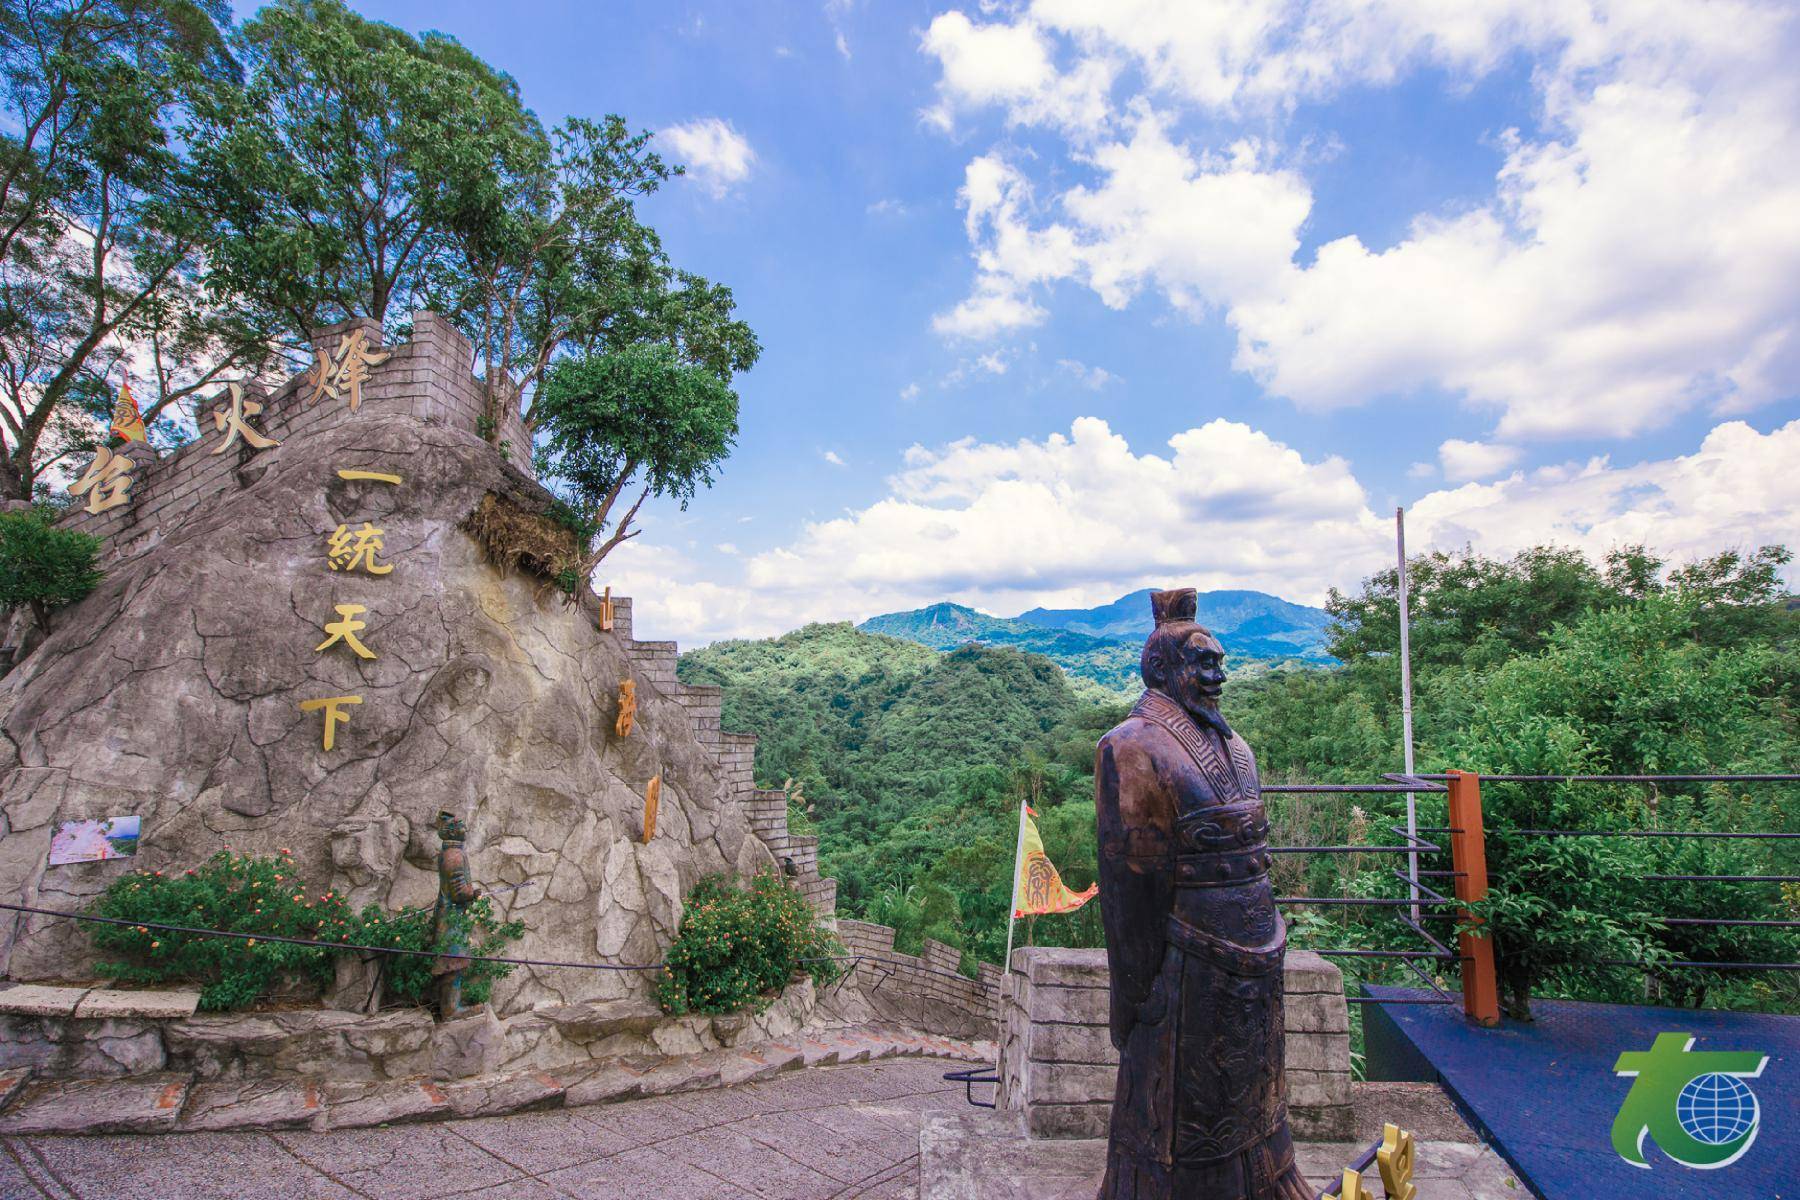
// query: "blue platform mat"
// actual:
[[1545, 1095]]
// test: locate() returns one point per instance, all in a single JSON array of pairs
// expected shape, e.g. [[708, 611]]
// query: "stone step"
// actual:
[[132, 1104], [176, 1102]]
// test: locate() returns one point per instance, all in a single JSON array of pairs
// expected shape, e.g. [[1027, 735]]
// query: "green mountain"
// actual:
[[1101, 645]]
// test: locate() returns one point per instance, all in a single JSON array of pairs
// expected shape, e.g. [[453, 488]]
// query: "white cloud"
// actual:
[[717, 156], [887, 206], [1464, 461], [1092, 378], [1421, 470], [832, 457], [727, 548], [910, 392], [1637, 258], [1738, 489], [1081, 518]]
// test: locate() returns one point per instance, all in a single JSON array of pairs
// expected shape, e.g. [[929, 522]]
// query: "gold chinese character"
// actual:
[[344, 554], [344, 630], [627, 708], [376, 476], [1395, 1159], [344, 373], [607, 612], [334, 713], [1352, 1188], [233, 422], [109, 477]]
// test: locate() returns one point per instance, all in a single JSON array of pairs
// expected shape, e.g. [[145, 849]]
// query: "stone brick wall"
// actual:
[[923, 990], [1058, 1065], [427, 377]]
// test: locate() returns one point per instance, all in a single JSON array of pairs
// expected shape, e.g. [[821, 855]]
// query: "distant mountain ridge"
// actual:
[[1102, 644]]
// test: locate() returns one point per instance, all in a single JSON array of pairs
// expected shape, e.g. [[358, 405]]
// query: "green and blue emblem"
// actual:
[[1694, 1105]]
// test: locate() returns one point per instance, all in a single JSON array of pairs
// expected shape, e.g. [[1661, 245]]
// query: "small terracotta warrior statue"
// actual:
[[455, 894], [1192, 937]]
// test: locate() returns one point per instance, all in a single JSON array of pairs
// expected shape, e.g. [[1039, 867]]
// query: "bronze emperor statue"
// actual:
[[1192, 937]]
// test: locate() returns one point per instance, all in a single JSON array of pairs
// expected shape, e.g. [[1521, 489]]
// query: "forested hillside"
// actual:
[[914, 761], [911, 761]]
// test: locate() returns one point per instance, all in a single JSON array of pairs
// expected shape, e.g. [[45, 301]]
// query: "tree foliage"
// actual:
[[636, 414], [43, 567], [105, 229]]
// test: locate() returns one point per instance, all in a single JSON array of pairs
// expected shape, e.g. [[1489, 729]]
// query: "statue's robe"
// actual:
[[1195, 946]]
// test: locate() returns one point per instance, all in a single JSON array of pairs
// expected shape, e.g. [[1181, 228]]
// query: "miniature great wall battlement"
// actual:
[[426, 379]]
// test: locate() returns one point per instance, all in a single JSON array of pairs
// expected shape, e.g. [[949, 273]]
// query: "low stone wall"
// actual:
[[52, 1037], [1058, 1065], [924, 991]]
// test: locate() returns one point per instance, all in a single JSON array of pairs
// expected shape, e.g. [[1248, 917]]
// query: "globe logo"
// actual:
[[1716, 1109]]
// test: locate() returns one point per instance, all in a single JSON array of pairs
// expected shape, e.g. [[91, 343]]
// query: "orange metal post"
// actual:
[[1468, 856]]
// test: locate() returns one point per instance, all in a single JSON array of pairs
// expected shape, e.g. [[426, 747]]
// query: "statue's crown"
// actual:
[[1178, 605]]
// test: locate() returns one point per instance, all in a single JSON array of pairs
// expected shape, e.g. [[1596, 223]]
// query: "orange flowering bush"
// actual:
[[738, 947], [234, 892]]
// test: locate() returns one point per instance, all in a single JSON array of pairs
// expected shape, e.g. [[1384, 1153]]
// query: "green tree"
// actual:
[[43, 567], [104, 222], [1619, 691], [367, 172], [638, 414]]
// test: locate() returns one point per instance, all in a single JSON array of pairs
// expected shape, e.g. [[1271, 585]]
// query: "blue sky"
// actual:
[[1532, 270]]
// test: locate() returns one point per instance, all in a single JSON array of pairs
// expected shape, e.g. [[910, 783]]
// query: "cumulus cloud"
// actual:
[[1637, 256], [1092, 378], [1464, 461], [832, 457], [1081, 518], [717, 156]]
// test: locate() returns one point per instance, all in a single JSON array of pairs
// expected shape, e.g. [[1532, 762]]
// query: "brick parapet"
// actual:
[[426, 377]]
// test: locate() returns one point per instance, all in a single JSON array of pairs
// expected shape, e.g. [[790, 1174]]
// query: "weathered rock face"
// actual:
[[173, 692]]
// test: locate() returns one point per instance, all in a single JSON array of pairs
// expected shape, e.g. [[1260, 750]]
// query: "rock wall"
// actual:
[[1058, 1066], [925, 991], [173, 693]]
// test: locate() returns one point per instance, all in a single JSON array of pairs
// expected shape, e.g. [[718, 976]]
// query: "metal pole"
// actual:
[[1013, 905], [1412, 801]]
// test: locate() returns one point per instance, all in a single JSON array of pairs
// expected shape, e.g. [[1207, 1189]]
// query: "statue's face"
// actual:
[[1199, 672]]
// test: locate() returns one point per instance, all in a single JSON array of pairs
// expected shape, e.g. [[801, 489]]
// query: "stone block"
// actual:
[[156, 1005], [603, 1083], [1063, 968], [12, 1083], [1307, 971], [528, 1091], [360, 1105], [1315, 1012], [1317, 1089], [40, 1000], [1070, 1083], [1068, 1120], [252, 1104], [1069, 1005], [1325, 1052], [140, 1104], [1073, 1044]]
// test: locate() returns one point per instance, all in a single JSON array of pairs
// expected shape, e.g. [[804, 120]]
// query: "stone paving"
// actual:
[[848, 1131]]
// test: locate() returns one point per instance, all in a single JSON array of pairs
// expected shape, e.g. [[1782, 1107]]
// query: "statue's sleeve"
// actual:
[[1137, 877], [456, 877]]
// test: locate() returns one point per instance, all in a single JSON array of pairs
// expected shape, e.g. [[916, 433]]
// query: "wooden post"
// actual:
[[1468, 857]]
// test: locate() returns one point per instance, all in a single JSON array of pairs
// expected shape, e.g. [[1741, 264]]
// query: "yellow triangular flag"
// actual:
[[127, 422], [1038, 888]]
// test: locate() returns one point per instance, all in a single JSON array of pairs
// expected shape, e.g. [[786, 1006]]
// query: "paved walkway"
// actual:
[[848, 1131]]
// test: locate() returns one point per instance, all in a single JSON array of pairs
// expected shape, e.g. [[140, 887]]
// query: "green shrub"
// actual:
[[43, 566], [408, 976], [738, 947], [232, 892], [265, 896]]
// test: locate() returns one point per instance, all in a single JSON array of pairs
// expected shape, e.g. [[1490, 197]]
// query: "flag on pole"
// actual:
[[127, 422], [1038, 888]]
